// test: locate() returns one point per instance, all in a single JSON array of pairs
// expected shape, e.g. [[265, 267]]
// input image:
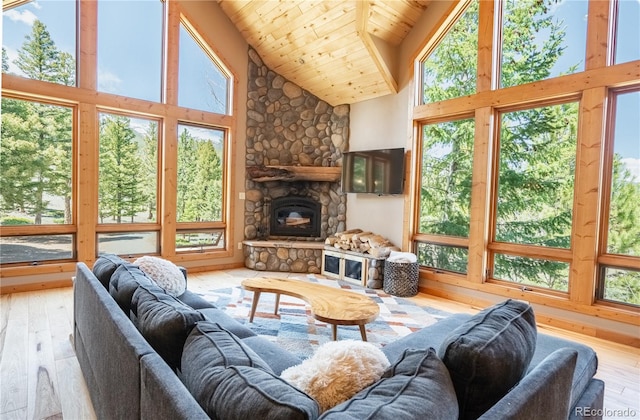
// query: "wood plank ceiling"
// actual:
[[328, 47]]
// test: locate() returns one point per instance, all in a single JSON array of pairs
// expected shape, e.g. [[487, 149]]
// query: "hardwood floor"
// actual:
[[40, 377]]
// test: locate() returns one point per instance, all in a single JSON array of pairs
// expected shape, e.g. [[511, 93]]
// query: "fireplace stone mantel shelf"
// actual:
[[294, 173]]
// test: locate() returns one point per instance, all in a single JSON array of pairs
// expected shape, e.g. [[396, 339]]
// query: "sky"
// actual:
[[129, 59]]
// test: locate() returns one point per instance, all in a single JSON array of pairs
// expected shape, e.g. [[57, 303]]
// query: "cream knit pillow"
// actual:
[[165, 273]]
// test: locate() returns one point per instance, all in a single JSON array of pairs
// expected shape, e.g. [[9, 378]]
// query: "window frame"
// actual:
[[218, 224]]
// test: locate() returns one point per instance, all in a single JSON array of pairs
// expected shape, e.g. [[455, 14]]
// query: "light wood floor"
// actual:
[[40, 377]]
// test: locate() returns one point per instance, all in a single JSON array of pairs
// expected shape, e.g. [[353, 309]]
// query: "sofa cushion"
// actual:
[[124, 282], [164, 321], [244, 391], [223, 319], [417, 386], [488, 354], [105, 266], [220, 347], [165, 273], [194, 300]]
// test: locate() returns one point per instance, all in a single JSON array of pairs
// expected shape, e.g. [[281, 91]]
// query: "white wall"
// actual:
[[386, 122], [377, 124]]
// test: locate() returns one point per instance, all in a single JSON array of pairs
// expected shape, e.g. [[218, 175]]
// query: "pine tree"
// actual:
[[149, 157], [207, 195], [47, 169], [120, 188], [5, 61], [187, 149]]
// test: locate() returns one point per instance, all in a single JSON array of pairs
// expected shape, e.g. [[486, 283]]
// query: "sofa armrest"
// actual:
[[163, 395], [545, 392]]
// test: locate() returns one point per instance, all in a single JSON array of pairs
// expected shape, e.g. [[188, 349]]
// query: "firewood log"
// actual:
[[377, 241]]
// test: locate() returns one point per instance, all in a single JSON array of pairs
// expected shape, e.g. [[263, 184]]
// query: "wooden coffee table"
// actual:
[[328, 304]]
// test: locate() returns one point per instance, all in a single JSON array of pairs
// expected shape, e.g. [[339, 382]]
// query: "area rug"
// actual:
[[295, 329]]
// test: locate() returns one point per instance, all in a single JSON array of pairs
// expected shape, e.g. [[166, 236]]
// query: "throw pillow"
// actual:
[[164, 322], [417, 386], [105, 266], [337, 371], [165, 273], [489, 354], [124, 282], [245, 391]]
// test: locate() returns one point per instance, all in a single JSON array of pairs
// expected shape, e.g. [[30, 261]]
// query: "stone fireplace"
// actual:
[[294, 148]]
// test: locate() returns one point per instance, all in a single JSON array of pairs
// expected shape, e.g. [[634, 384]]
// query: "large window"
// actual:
[[529, 186], [619, 275], [201, 175], [445, 193], [36, 182], [128, 174], [106, 166]]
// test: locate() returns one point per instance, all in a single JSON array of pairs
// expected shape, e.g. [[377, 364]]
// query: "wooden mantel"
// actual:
[[294, 173]]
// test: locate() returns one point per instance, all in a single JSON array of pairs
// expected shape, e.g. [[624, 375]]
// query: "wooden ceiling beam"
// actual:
[[362, 21]]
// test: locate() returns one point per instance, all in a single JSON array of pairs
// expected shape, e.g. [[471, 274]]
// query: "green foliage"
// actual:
[[622, 286], [5, 61], [446, 178], [15, 220], [624, 213], [537, 158], [199, 180], [36, 138], [149, 157], [39, 58], [451, 69], [523, 61], [121, 190]]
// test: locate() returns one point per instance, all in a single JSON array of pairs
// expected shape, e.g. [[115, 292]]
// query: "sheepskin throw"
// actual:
[[165, 273], [337, 371]]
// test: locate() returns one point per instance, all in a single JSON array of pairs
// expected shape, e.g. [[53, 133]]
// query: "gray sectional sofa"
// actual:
[[146, 354]]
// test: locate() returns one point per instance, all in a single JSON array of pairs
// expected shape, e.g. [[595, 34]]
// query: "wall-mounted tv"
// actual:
[[373, 171]]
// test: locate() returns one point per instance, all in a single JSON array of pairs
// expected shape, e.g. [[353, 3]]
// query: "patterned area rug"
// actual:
[[295, 329]]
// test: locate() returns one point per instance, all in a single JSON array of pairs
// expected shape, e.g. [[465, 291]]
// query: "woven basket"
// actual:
[[401, 279]]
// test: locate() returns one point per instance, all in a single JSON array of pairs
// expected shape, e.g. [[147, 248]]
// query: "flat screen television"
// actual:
[[373, 171]]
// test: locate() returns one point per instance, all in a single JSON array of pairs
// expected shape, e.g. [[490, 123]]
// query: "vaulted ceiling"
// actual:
[[336, 49]]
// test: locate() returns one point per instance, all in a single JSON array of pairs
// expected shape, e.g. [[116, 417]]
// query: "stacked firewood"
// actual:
[[357, 240]]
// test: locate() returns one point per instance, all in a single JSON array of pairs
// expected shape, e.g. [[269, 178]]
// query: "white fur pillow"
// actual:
[[337, 371], [165, 273]]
